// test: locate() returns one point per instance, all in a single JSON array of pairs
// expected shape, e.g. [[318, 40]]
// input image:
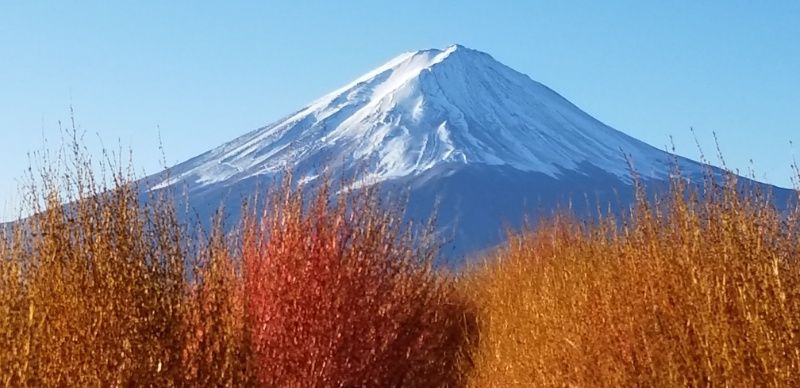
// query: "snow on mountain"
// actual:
[[480, 144], [423, 109]]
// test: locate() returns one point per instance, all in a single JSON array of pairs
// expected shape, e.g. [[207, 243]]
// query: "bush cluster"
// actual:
[[333, 289], [319, 289]]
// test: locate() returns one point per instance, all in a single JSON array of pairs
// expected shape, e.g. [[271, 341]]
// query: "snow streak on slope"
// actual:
[[428, 108]]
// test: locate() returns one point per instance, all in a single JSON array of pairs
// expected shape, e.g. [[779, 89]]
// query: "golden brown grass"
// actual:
[[685, 292], [216, 349], [91, 292]]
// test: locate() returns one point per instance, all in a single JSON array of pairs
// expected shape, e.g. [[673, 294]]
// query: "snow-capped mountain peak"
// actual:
[[482, 146], [427, 108]]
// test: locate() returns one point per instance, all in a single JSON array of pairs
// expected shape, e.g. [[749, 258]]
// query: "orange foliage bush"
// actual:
[[687, 291], [91, 292], [216, 349]]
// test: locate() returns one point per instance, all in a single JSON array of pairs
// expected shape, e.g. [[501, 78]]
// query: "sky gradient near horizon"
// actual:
[[197, 75]]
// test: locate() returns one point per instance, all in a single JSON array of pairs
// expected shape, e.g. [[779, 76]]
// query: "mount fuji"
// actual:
[[482, 144]]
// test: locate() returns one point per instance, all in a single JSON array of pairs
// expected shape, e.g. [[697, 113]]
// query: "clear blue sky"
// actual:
[[205, 73]]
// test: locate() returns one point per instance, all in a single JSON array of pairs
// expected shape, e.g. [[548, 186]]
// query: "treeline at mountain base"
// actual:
[[330, 288]]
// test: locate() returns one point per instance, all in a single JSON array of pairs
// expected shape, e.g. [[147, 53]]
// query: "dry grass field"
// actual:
[[697, 288]]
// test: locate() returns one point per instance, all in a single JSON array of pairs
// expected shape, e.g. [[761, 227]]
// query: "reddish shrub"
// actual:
[[337, 295]]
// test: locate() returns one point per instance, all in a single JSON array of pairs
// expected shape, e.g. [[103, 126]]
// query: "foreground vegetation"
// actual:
[[684, 292], [699, 288]]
